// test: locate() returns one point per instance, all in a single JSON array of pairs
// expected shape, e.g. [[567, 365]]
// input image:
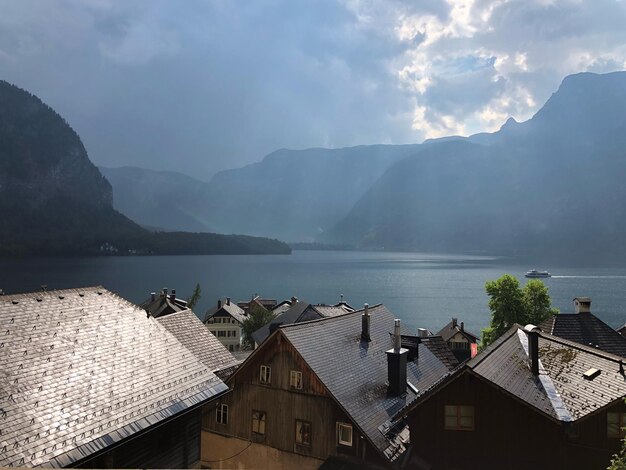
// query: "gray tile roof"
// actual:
[[196, 337], [560, 391], [299, 312], [440, 348], [332, 310], [83, 369], [231, 309], [587, 329], [355, 371]]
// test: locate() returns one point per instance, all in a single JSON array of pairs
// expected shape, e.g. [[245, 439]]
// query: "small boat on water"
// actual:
[[533, 273]]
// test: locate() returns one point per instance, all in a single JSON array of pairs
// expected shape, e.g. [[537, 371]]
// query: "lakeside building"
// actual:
[[585, 328], [297, 312], [255, 302], [163, 303], [320, 390], [224, 320], [92, 380], [529, 400], [459, 340]]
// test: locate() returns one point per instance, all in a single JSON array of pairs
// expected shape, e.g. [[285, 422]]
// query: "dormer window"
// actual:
[[344, 434]]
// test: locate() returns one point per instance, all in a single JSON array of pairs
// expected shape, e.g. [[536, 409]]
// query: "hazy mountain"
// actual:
[[293, 195], [53, 200], [164, 199], [552, 186]]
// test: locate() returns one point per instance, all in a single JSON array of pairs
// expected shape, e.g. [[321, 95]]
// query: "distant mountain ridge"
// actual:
[[547, 187], [54, 201]]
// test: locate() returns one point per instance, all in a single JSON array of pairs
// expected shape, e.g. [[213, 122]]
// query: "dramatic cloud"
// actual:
[[200, 86]]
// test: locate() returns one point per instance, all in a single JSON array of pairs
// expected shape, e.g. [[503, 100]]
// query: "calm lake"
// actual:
[[424, 290]]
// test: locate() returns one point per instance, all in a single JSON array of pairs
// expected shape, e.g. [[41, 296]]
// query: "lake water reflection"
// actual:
[[424, 290]]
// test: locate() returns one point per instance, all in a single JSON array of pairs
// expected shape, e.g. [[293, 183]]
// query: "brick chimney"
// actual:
[[173, 295], [454, 322], [227, 300], [396, 363], [219, 303], [365, 323], [582, 305], [532, 332]]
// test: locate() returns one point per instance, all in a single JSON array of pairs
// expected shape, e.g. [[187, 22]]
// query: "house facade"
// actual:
[[320, 389], [459, 340], [224, 320]]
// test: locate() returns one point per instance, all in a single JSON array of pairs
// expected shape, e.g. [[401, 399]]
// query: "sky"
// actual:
[[203, 86]]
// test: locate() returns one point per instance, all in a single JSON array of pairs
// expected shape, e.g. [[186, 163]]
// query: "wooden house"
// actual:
[[459, 339], [91, 380], [319, 389], [529, 400], [163, 303]]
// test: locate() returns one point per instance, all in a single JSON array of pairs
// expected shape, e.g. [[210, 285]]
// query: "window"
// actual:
[[221, 414], [295, 379], [221, 334], [459, 345], [303, 433], [258, 422], [344, 434], [231, 348], [615, 423], [266, 374], [459, 418]]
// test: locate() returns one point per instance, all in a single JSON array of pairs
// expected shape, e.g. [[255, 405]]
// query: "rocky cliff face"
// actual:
[[42, 157]]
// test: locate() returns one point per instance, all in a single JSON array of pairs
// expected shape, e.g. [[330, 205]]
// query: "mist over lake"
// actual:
[[424, 290]]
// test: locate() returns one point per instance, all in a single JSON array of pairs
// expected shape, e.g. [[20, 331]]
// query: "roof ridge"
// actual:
[[52, 291], [485, 353], [308, 322]]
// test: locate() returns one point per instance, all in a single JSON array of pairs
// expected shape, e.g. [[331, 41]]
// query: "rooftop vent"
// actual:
[[533, 347], [591, 373]]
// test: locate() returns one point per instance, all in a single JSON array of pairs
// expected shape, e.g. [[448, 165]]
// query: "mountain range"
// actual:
[[550, 187], [54, 201]]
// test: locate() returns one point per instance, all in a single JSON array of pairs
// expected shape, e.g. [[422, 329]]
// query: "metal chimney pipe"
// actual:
[[365, 323], [397, 338]]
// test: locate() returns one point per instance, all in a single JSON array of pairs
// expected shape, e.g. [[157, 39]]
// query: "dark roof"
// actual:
[[454, 327], [560, 390], [440, 349], [196, 337], [227, 308], [587, 329], [83, 369], [163, 304], [355, 371], [299, 312]]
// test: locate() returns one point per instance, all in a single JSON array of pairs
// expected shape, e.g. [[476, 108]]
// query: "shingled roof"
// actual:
[[452, 328], [561, 391], [84, 369], [355, 371], [162, 304], [585, 328], [196, 337], [228, 307]]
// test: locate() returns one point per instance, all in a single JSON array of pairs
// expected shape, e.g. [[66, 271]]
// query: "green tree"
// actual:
[[618, 462], [510, 304], [195, 297], [257, 317]]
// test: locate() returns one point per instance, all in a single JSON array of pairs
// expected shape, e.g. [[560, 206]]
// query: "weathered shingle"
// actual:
[[196, 337], [586, 328], [83, 369]]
